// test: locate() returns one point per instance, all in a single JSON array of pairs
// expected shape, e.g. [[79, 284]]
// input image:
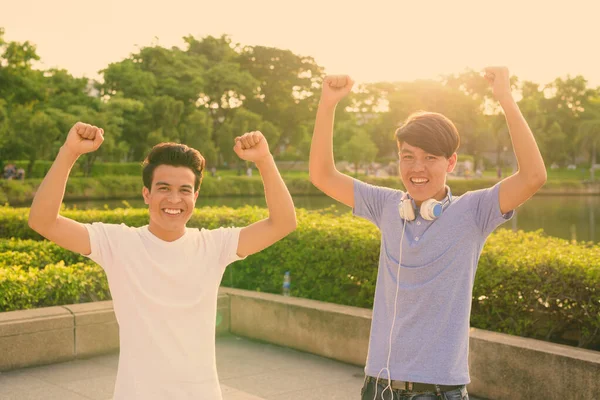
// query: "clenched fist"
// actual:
[[499, 80], [335, 88], [84, 138], [252, 146]]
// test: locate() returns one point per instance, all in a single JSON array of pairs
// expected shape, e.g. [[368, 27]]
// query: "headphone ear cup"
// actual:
[[431, 209], [407, 212]]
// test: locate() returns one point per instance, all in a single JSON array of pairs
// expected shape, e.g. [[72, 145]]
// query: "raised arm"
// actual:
[[531, 173], [323, 173], [253, 147], [44, 215]]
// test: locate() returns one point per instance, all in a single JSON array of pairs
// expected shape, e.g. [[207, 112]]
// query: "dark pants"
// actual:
[[368, 393]]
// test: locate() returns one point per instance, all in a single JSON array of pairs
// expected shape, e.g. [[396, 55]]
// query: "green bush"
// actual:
[[531, 285], [527, 284], [128, 187], [35, 253], [56, 284]]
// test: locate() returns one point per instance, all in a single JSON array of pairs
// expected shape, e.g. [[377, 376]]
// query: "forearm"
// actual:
[[321, 161], [529, 158], [278, 198], [49, 196]]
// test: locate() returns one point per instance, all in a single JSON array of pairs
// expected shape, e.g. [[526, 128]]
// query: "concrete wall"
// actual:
[[512, 367], [33, 337], [502, 366], [326, 329], [55, 334]]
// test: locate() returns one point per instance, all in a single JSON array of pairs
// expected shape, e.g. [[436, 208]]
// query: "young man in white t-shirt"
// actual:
[[430, 243], [164, 277]]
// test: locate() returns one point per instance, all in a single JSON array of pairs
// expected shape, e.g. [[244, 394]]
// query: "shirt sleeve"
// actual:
[[370, 200], [486, 209], [102, 242], [228, 239]]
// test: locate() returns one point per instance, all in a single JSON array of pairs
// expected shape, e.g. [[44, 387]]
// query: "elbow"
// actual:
[[541, 178], [318, 171], [537, 180], [312, 175], [317, 177], [292, 224], [32, 223], [39, 226], [283, 226]]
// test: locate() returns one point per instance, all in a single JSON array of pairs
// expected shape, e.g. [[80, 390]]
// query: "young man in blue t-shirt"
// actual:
[[420, 330]]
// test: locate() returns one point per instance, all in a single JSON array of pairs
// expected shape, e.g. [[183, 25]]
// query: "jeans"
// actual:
[[368, 393]]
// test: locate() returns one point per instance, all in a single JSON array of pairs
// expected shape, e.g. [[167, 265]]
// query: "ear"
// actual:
[[452, 163], [196, 195], [146, 195]]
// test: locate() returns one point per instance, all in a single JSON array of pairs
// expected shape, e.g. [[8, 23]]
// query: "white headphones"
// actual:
[[430, 209]]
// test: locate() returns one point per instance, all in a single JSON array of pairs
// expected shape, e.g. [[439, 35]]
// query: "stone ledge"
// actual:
[[330, 330], [502, 366], [96, 328], [35, 320], [38, 336]]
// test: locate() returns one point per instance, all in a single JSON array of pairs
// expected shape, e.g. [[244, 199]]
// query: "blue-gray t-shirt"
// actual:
[[430, 341]]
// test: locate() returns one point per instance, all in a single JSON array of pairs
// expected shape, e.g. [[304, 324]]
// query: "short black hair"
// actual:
[[176, 155], [430, 131]]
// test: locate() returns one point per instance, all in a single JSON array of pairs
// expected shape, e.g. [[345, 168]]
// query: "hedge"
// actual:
[[527, 284], [130, 187]]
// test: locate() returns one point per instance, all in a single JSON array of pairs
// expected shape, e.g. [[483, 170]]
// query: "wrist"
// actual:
[[506, 99], [327, 104], [68, 153], [264, 161]]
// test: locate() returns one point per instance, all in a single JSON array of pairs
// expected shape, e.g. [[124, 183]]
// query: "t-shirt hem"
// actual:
[[465, 380]]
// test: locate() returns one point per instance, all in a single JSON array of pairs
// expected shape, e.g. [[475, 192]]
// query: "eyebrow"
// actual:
[[168, 184], [405, 151]]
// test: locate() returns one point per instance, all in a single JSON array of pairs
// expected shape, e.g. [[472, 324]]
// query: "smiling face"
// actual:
[[427, 144], [424, 174], [171, 201]]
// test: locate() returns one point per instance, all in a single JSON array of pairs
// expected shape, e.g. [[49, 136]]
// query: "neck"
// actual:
[[162, 234], [439, 196]]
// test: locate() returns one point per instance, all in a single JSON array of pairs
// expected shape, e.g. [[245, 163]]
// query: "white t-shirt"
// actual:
[[165, 300]]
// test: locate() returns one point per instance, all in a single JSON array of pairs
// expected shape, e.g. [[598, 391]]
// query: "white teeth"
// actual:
[[172, 211], [418, 180]]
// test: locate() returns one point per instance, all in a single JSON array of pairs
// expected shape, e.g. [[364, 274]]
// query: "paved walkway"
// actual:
[[248, 370]]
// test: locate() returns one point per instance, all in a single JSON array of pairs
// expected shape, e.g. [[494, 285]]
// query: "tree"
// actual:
[[358, 150], [566, 102], [196, 132], [31, 135], [242, 121], [589, 132], [110, 122], [128, 80], [286, 90]]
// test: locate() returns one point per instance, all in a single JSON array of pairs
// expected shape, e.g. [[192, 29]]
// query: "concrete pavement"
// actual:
[[247, 370]]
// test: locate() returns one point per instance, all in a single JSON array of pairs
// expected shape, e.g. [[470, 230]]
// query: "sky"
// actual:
[[393, 40]]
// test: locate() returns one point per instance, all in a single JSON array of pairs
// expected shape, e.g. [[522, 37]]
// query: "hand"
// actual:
[[84, 138], [499, 80], [335, 88], [252, 146]]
